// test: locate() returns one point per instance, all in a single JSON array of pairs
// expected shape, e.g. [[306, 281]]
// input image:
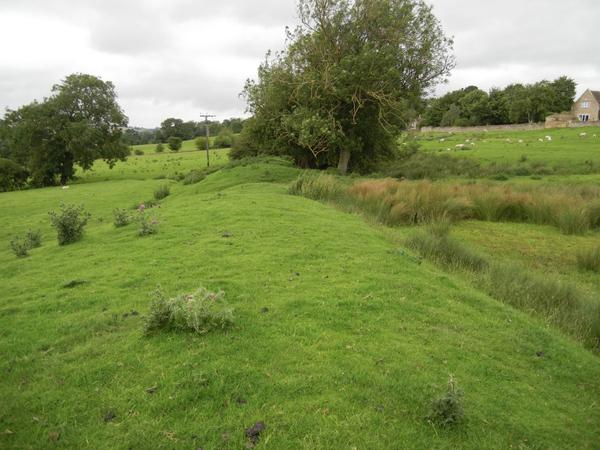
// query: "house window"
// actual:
[[584, 117], [585, 104]]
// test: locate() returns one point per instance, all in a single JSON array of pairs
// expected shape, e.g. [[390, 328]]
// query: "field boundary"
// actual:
[[513, 127]]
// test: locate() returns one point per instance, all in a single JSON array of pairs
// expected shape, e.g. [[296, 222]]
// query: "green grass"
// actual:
[[340, 338], [186, 146], [150, 166], [567, 153]]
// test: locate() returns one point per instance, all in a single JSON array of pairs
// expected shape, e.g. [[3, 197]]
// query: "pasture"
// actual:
[[341, 337], [567, 152]]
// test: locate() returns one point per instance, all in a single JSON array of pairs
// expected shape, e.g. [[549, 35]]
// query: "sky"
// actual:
[[182, 58]]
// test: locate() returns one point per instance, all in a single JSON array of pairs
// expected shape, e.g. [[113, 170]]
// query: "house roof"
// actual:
[[596, 95]]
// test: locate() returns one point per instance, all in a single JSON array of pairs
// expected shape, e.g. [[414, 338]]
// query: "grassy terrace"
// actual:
[[341, 337]]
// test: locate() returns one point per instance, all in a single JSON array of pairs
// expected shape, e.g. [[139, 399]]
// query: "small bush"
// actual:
[[162, 192], [174, 143], [448, 409], [34, 238], [147, 225], [589, 259], [138, 152], [121, 218], [20, 246], [201, 312], [160, 148], [200, 143], [69, 223]]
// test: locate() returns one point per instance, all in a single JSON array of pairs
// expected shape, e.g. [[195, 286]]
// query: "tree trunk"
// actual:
[[343, 163]]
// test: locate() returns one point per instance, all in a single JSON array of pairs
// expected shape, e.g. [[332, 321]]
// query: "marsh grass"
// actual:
[[573, 210], [589, 259], [562, 305]]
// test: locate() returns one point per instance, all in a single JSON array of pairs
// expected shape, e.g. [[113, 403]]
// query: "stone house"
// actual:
[[587, 107]]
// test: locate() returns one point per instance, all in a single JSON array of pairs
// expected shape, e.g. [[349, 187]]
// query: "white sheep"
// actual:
[[582, 134], [548, 138], [460, 146], [65, 187], [541, 140], [520, 141]]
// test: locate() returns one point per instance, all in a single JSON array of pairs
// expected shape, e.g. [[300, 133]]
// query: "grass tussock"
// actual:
[[589, 259], [573, 210], [201, 312]]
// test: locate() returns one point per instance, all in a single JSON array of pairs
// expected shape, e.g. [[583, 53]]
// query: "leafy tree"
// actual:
[[351, 78], [12, 175], [172, 127], [78, 124], [160, 147], [174, 143], [200, 143]]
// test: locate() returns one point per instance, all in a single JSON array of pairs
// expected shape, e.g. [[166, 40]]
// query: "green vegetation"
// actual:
[[381, 341], [323, 100], [69, 223], [516, 103]]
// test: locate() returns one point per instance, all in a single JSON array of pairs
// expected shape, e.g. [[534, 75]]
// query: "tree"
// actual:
[[172, 127], [350, 80], [174, 143], [79, 123]]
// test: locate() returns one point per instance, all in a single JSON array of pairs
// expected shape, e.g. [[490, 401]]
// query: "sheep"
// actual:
[[548, 138], [582, 134]]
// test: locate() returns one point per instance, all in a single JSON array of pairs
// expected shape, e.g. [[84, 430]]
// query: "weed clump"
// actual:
[[448, 409], [162, 192], [121, 218], [202, 311], [589, 259], [20, 247], [147, 225], [34, 238], [69, 223]]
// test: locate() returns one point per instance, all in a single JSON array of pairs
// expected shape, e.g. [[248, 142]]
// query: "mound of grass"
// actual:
[[589, 259]]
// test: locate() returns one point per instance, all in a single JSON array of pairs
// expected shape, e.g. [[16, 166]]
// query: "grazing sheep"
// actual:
[[541, 140], [460, 146], [520, 141], [65, 187], [582, 134], [548, 138]]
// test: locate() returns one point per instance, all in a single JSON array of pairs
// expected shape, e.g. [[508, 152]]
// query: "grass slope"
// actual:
[[357, 339]]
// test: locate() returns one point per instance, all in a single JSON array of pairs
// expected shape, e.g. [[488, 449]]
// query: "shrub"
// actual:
[[174, 143], [34, 238], [138, 152], [224, 139], [121, 218], [195, 176], [200, 143], [147, 225], [593, 213], [69, 223], [162, 192], [589, 259], [12, 175], [20, 247], [448, 409], [160, 148], [201, 312]]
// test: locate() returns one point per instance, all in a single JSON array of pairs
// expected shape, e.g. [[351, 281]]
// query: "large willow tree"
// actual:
[[349, 81]]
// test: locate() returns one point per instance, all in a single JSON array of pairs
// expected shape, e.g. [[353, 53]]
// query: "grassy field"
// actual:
[[566, 153], [341, 337], [186, 146]]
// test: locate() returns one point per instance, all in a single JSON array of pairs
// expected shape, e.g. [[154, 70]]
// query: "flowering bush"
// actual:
[[69, 223], [202, 311]]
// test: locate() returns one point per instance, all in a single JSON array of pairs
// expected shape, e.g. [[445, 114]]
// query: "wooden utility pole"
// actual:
[[206, 117]]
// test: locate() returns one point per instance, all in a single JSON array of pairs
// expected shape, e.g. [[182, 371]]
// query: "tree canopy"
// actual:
[[353, 75], [517, 103], [79, 123]]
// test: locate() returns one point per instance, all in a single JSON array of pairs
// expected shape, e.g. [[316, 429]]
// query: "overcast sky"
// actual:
[[180, 58]]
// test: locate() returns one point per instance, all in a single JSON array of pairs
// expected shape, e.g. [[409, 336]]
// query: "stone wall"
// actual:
[[514, 127], [484, 128]]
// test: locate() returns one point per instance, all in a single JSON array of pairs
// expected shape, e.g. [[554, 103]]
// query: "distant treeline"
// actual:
[[516, 103], [172, 127]]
